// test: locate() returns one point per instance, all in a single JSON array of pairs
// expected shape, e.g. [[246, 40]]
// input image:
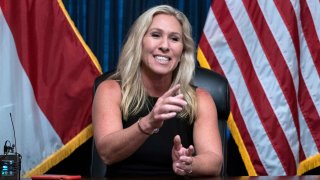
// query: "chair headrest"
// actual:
[[218, 87]]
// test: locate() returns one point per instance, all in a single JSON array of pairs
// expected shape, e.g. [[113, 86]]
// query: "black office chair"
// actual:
[[214, 83], [218, 87]]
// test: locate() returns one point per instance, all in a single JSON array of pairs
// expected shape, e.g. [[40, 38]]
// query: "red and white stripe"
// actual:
[[272, 67], [46, 78], [17, 97]]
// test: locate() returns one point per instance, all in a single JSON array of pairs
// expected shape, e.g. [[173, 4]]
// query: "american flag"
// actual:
[[269, 50]]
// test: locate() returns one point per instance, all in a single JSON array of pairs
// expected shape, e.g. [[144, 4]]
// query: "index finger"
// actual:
[[190, 151], [172, 91]]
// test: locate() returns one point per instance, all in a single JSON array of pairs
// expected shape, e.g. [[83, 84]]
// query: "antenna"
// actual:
[[10, 162], [14, 135]]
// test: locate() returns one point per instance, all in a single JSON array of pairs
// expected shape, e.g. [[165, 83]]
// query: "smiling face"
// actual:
[[162, 45]]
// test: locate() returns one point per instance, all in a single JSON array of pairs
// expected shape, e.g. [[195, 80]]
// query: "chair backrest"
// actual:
[[218, 87], [214, 83]]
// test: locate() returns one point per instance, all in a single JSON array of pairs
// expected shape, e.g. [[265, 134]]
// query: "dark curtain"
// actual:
[[104, 23]]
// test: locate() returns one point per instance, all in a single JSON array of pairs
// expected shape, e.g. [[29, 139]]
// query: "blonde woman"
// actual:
[[148, 119]]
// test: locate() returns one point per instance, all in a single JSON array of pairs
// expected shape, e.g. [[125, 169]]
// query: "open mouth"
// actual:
[[162, 59]]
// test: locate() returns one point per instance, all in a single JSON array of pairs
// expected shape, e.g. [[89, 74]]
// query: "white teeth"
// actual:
[[162, 59]]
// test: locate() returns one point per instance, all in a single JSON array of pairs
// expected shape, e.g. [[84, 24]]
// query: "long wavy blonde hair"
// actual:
[[134, 95]]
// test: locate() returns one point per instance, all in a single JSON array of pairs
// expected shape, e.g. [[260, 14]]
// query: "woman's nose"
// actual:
[[164, 46]]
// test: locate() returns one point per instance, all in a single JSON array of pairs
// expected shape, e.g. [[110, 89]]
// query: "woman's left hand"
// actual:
[[182, 157]]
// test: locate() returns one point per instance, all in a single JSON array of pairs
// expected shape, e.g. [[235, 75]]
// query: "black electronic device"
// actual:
[[10, 166], [10, 161]]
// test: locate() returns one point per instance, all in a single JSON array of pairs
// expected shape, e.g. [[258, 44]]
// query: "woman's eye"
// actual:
[[155, 34], [175, 39]]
